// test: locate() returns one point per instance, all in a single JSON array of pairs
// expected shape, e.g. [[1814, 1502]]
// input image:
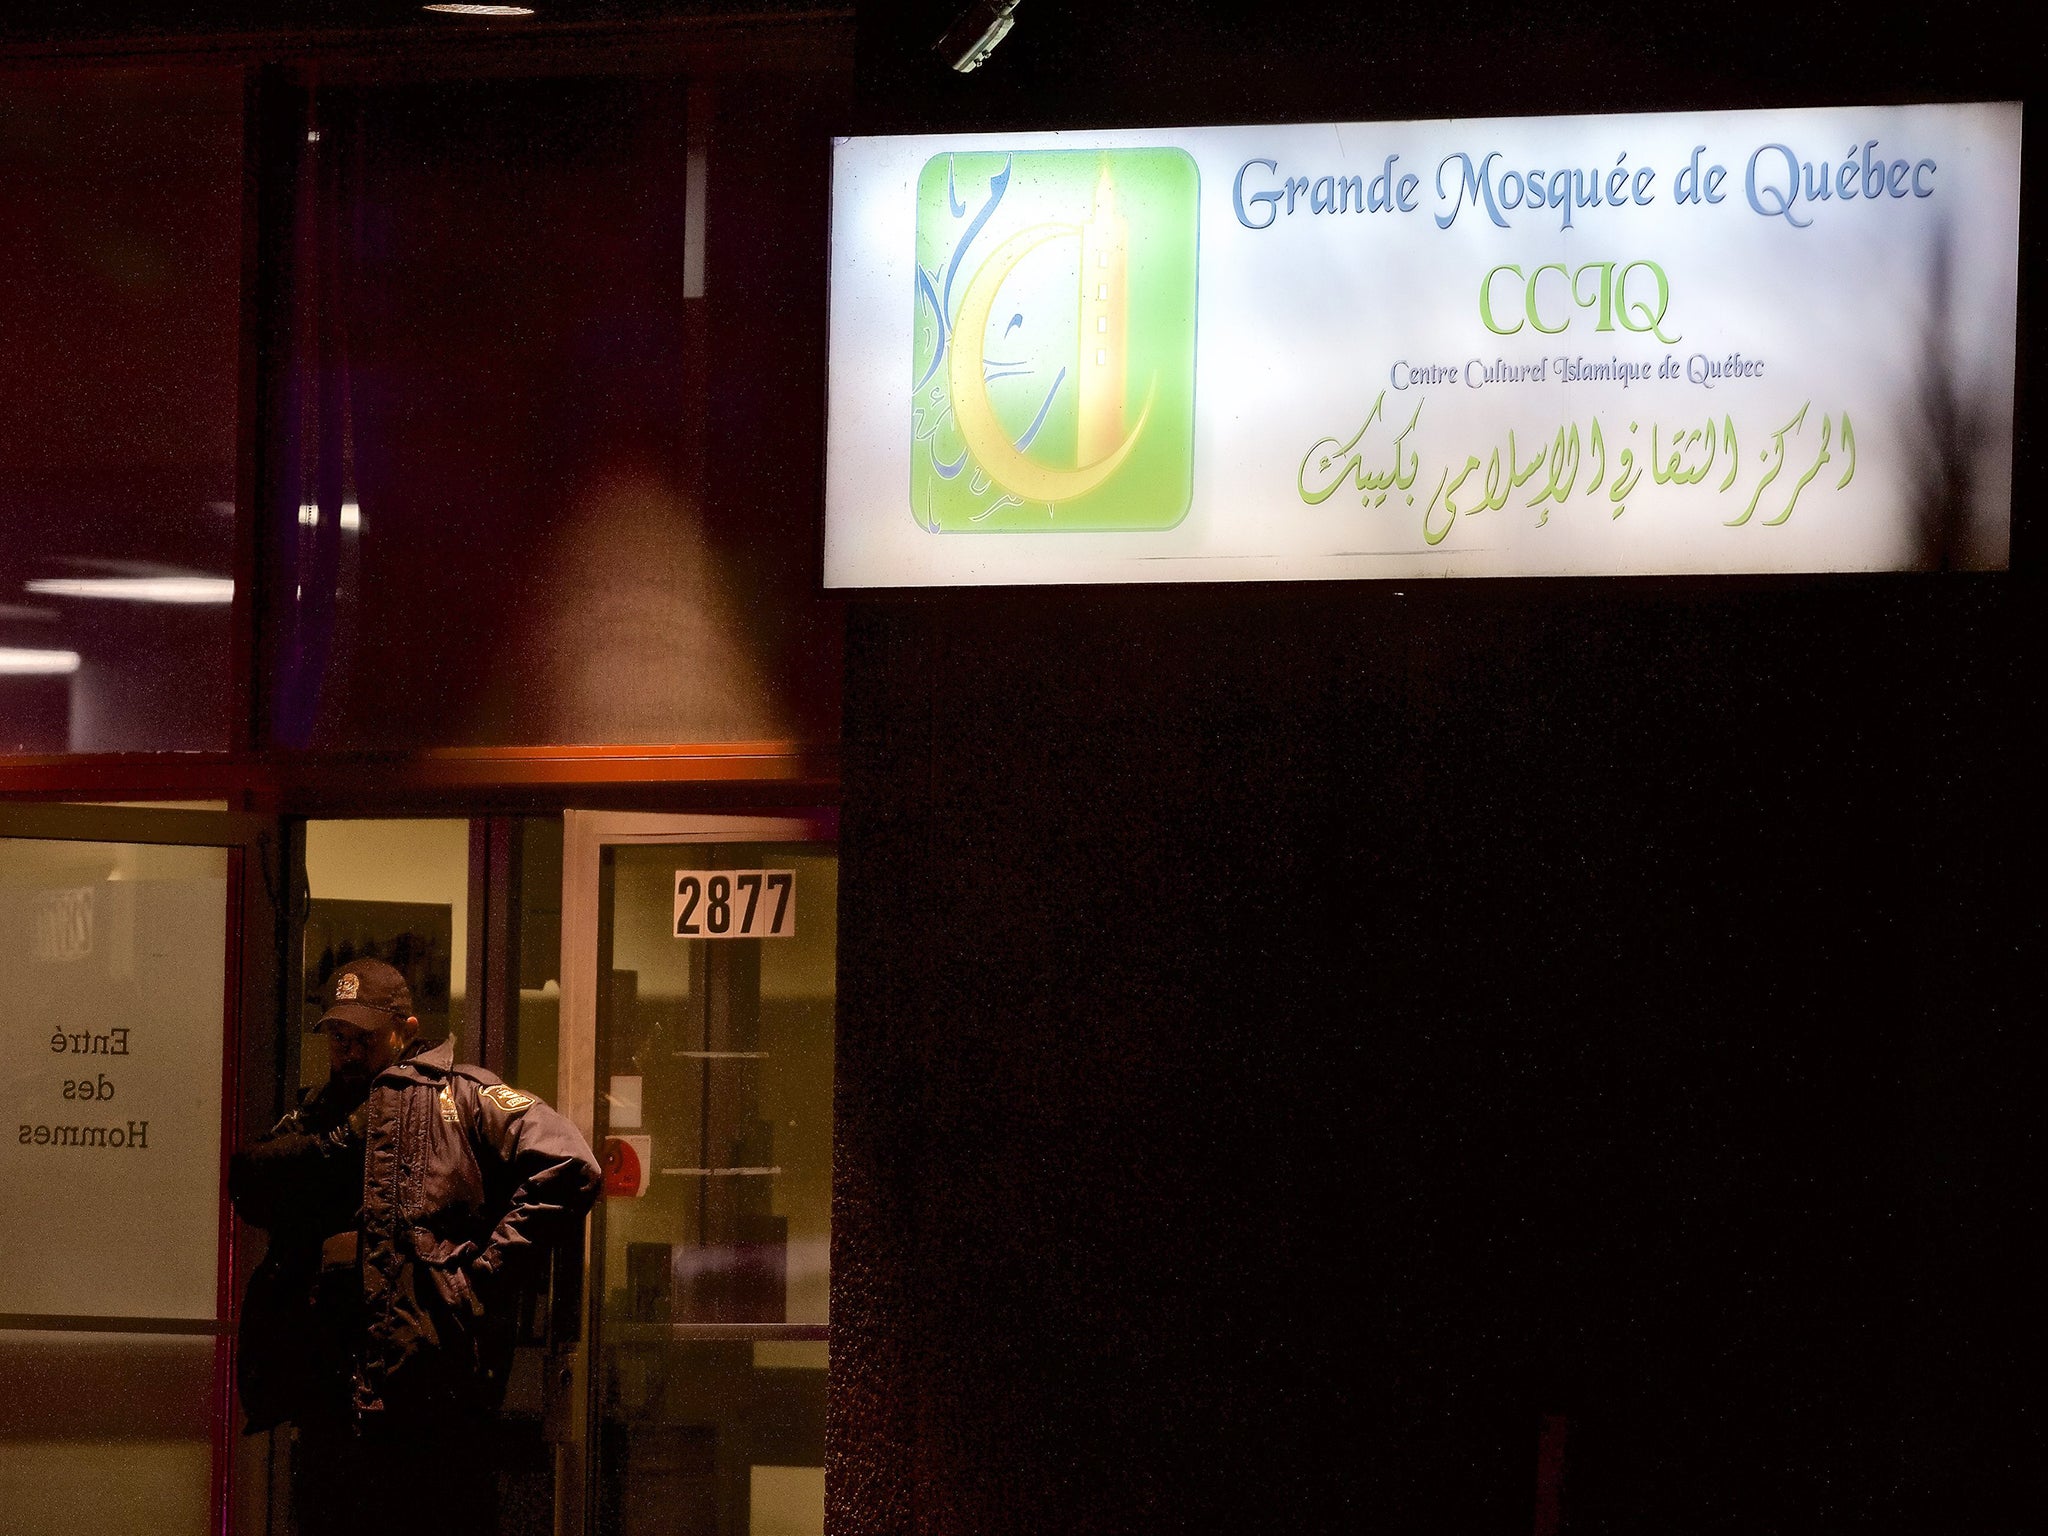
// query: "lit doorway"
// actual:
[[698, 993]]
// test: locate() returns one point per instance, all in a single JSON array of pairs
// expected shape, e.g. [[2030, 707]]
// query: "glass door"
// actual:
[[698, 1030], [120, 942]]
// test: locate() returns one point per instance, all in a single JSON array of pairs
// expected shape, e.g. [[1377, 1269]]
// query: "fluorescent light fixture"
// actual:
[[309, 515], [480, 10], [17, 662], [139, 589]]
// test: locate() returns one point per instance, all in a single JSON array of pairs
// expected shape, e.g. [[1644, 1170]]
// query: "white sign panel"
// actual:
[[115, 958], [735, 904], [1689, 343]]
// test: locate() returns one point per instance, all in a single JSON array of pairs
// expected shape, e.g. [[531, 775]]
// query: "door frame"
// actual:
[[585, 836], [258, 908]]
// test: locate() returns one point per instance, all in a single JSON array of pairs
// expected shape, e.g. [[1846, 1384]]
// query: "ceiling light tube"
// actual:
[[139, 589], [16, 661]]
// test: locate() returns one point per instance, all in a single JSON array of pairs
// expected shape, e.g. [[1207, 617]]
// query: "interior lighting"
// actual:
[[139, 589], [309, 515], [17, 662], [480, 10], [351, 517]]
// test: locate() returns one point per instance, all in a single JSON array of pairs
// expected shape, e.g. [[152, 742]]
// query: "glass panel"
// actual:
[[530, 1060], [106, 1433], [398, 890], [716, 1057], [527, 1435], [110, 1076], [120, 238], [494, 344], [155, 805], [115, 956]]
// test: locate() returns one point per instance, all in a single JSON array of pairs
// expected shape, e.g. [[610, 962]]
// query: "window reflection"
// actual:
[[120, 239], [527, 331]]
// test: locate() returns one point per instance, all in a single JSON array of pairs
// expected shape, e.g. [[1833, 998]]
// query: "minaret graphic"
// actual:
[[1104, 275]]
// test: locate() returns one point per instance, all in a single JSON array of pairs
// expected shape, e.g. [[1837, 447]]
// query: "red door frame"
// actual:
[[249, 841], [227, 1287]]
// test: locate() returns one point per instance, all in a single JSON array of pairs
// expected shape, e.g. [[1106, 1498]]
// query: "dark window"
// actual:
[[120, 251], [547, 464]]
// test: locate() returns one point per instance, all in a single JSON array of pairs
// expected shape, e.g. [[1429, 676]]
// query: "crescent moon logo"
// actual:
[[1023, 477]]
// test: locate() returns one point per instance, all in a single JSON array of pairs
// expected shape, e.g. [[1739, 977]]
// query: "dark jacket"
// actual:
[[461, 1185]]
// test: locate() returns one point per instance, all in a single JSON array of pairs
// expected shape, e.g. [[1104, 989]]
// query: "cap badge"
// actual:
[[347, 987]]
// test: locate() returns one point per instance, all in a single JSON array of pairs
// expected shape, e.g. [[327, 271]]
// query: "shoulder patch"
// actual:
[[509, 1099]]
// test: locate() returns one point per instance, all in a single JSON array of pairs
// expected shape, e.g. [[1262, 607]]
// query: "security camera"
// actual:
[[974, 35]]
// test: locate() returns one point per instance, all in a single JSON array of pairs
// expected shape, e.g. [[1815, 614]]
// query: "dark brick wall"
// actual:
[[1292, 1040]]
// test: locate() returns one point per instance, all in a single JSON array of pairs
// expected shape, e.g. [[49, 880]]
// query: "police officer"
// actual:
[[404, 1200]]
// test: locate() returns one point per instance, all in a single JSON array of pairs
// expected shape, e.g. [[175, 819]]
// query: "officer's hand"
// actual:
[[490, 1289], [348, 1135]]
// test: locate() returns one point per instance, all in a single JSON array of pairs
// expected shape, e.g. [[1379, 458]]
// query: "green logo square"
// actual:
[[1053, 347]]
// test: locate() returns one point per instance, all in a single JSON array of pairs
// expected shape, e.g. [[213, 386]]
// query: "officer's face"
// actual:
[[356, 1056]]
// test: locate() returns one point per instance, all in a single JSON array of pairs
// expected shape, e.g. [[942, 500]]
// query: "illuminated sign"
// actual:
[[1691, 343]]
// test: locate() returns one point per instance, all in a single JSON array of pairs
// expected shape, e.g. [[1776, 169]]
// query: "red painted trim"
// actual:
[[274, 777], [715, 762], [225, 1309], [123, 775]]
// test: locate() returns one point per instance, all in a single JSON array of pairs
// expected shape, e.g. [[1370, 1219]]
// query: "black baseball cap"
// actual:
[[367, 994]]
